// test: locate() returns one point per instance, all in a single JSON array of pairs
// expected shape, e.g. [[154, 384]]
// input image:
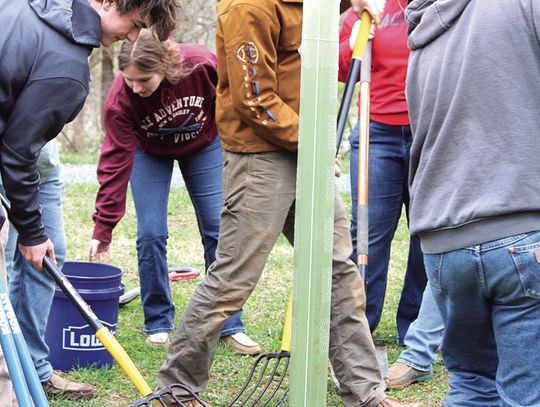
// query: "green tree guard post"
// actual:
[[314, 221]]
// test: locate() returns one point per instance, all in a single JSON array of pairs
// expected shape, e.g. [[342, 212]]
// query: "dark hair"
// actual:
[[161, 14], [148, 54]]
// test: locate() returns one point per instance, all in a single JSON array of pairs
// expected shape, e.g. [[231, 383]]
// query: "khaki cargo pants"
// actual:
[[259, 193]]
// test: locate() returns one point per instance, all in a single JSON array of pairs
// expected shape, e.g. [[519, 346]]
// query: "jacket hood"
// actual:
[[428, 19], [74, 19]]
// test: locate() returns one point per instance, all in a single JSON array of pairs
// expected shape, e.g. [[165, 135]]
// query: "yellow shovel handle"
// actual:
[[286, 338], [363, 36], [122, 358]]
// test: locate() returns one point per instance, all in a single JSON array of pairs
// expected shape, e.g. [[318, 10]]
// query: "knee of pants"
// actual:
[[148, 245]]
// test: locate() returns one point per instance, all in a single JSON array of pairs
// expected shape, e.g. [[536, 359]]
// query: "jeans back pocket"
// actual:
[[527, 261]]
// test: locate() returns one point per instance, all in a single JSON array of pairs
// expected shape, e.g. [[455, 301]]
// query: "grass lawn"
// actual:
[[263, 313]]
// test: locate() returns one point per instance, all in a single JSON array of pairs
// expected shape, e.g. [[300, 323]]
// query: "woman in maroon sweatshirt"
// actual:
[[160, 109]]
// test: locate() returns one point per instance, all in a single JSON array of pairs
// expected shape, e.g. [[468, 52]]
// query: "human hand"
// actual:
[[356, 29], [337, 168], [373, 7], [35, 254], [100, 251]]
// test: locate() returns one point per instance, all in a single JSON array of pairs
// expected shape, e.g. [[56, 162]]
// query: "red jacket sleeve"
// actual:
[[114, 169], [345, 52]]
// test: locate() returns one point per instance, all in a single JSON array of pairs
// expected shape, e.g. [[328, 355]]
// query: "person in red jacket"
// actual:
[[389, 144], [159, 110]]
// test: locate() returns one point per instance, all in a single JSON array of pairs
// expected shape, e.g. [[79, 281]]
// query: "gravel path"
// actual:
[[86, 174]]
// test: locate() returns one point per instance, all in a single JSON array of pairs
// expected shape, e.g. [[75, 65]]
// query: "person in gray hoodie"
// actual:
[[44, 76], [474, 99]]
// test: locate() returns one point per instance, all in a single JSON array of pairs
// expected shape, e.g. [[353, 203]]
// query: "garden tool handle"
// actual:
[[11, 354], [286, 337], [102, 332], [352, 76], [363, 163], [363, 36]]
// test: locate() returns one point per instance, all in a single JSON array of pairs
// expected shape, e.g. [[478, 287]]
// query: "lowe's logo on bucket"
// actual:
[[82, 338]]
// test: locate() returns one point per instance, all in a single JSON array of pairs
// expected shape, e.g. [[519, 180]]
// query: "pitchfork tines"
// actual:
[[265, 384]]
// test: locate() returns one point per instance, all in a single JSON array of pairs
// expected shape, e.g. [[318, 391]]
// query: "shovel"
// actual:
[[352, 76], [102, 332], [361, 63]]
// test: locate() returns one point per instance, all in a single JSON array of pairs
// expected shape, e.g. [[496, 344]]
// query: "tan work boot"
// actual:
[[241, 344], [392, 402], [400, 375], [58, 386]]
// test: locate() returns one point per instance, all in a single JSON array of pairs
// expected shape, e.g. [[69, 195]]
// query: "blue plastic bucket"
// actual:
[[71, 341]]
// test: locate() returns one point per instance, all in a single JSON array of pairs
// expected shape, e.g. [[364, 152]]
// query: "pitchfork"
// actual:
[[264, 386]]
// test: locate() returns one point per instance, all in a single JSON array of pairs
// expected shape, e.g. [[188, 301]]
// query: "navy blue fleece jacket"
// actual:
[[44, 76]]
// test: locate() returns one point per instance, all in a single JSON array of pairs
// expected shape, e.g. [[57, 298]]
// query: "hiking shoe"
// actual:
[[400, 375], [159, 340], [393, 402], [58, 386], [241, 344]]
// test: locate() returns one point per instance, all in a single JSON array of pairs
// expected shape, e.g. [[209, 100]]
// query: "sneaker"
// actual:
[[58, 386], [393, 402], [241, 344], [159, 340], [400, 375]]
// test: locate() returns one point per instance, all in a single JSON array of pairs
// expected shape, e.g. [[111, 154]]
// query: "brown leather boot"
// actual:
[[400, 375], [58, 386]]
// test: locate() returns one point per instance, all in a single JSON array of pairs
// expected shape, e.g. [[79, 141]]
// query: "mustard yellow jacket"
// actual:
[[258, 92]]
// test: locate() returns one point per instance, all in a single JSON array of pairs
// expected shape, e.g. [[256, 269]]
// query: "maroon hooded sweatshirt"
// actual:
[[175, 121]]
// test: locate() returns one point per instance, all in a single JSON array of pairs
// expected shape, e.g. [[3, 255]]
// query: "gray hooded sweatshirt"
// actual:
[[44, 76], [473, 91]]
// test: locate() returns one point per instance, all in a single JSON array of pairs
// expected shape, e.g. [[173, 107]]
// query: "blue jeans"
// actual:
[[150, 185], [387, 193], [489, 297], [424, 335], [31, 292]]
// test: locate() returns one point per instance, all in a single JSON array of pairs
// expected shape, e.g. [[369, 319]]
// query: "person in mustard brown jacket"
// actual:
[[258, 98]]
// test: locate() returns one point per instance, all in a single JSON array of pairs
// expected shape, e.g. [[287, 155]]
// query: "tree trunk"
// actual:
[[107, 78]]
